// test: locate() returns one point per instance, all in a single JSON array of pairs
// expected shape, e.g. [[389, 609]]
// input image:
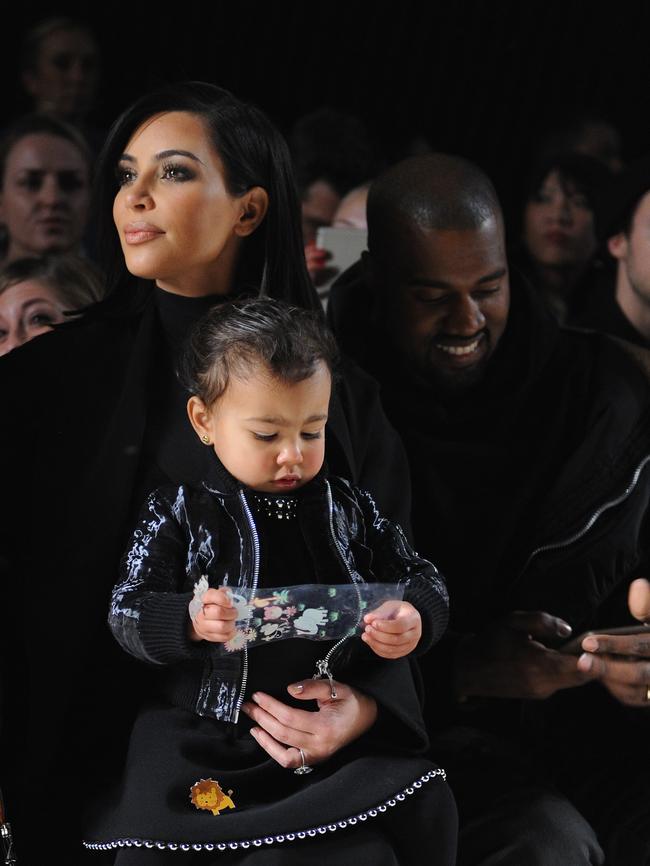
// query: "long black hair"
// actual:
[[576, 171], [253, 153]]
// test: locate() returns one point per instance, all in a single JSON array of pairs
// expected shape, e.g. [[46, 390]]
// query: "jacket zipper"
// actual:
[[612, 503], [323, 665], [256, 573]]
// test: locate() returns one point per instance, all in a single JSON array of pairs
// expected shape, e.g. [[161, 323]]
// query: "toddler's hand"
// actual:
[[216, 619], [393, 630]]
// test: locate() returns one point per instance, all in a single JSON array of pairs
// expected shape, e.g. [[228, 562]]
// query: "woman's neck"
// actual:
[[195, 288], [558, 281], [556, 284], [214, 278]]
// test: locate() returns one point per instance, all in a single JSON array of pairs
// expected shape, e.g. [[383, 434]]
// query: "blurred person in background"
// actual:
[[38, 293], [618, 300], [332, 154], [322, 263], [60, 68], [558, 236], [45, 173], [351, 212]]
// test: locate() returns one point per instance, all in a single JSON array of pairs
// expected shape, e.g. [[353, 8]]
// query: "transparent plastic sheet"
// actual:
[[311, 610]]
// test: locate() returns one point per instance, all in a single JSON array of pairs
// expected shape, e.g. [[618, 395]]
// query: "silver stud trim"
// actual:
[[278, 508], [270, 840]]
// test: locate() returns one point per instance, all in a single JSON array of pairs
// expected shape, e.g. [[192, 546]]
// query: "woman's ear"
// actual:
[[255, 204], [199, 416]]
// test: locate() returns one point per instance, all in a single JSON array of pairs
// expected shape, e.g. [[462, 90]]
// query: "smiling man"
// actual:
[[447, 295], [529, 449], [436, 271]]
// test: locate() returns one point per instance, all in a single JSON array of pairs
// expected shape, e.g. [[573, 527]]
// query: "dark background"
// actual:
[[478, 78]]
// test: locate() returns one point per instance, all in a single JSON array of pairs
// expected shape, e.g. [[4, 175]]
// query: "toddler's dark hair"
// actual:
[[233, 338]]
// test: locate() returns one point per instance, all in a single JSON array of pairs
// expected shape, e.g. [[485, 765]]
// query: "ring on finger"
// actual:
[[303, 769]]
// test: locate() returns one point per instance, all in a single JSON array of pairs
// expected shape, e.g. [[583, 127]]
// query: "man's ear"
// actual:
[[254, 205], [617, 245], [199, 416]]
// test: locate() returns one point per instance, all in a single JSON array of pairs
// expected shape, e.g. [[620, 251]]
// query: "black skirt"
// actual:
[[389, 808]]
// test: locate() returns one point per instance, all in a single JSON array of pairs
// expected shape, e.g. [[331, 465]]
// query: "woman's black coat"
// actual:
[[76, 403]]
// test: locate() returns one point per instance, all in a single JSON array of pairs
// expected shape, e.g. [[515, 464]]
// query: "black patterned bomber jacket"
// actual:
[[184, 533]]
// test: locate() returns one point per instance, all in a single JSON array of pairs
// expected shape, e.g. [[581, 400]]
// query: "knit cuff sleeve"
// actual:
[[164, 628], [433, 608]]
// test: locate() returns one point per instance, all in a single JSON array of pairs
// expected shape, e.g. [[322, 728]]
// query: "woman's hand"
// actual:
[[282, 730], [216, 619]]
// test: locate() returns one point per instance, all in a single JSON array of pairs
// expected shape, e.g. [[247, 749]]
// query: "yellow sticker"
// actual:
[[207, 794]]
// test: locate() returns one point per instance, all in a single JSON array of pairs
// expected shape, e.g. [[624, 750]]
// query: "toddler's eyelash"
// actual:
[[269, 437]]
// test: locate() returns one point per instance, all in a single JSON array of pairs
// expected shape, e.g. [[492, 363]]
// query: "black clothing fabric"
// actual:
[[171, 750], [75, 470], [598, 310], [557, 429], [526, 825], [384, 840], [533, 488]]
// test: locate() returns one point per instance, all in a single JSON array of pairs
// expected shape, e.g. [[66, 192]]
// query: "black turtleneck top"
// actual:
[[171, 450]]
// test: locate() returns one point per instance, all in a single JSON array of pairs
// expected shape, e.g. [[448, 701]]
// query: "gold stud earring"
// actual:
[[205, 439]]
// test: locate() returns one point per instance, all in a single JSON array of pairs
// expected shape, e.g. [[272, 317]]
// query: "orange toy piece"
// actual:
[[207, 794]]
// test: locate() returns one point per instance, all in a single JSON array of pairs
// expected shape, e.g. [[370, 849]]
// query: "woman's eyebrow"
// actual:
[[164, 154], [32, 301]]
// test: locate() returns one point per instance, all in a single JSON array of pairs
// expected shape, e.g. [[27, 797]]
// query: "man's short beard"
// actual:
[[456, 381], [450, 381]]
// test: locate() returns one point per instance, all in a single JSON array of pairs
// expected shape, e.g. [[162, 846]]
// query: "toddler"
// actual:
[[210, 568]]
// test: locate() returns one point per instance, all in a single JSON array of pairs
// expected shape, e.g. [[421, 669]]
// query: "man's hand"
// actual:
[[215, 621], [511, 659], [282, 730], [393, 630], [622, 662]]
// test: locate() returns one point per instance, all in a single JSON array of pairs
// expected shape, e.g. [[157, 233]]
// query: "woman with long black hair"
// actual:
[[199, 187]]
